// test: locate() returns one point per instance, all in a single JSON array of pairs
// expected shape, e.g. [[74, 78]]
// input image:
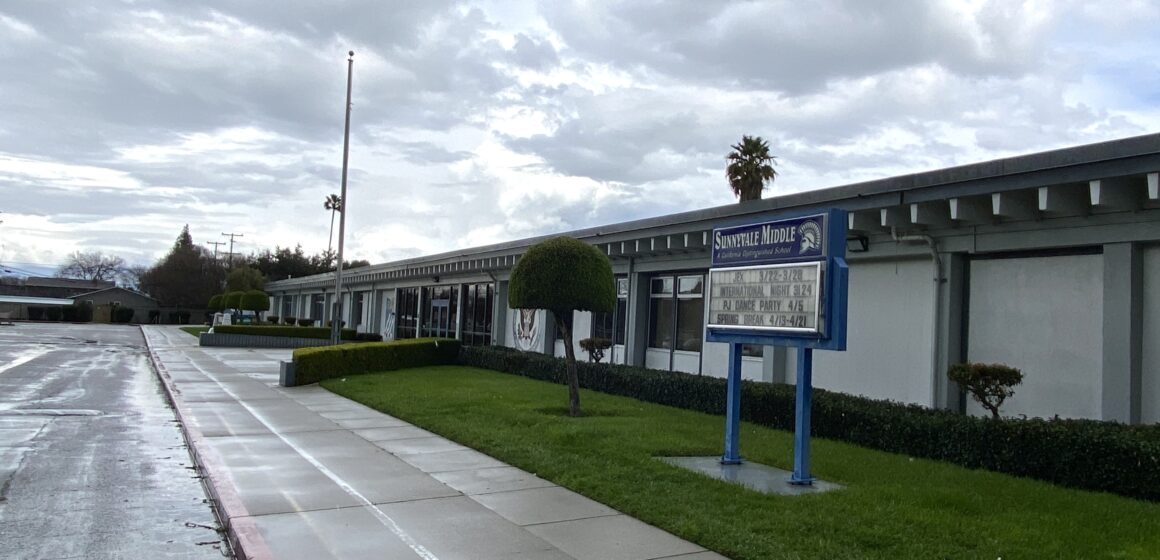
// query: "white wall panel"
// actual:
[[716, 363], [1150, 368], [688, 362], [656, 359], [1043, 315], [888, 350]]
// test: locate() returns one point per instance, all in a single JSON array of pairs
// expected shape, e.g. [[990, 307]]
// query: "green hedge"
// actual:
[[312, 365], [272, 330], [1086, 454]]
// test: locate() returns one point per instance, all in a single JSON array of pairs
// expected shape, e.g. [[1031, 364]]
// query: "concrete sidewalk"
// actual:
[[304, 473]]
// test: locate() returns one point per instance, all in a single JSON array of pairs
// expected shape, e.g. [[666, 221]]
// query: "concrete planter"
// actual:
[[258, 341], [286, 374]]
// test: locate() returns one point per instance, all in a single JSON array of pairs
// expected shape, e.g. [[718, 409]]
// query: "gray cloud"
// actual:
[[124, 121]]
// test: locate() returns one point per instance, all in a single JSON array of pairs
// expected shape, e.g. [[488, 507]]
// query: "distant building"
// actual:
[[36, 286], [1048, 262], [145, 309]]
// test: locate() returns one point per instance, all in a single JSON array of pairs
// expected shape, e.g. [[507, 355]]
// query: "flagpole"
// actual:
[[336, 320]]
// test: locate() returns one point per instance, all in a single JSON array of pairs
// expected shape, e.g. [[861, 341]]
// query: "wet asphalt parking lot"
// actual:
[[92, 461]]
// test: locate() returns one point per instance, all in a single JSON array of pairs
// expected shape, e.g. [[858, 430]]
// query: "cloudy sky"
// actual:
[[481, 122]]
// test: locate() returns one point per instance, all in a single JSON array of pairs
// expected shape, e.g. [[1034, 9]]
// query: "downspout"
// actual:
[[936, 315]]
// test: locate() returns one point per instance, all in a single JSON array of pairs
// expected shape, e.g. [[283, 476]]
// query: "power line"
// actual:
[[232, 236], [215, 247]]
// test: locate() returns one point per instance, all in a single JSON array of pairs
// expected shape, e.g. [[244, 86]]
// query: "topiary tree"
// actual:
[[988, 384], [232, 300], [215, 303], [595, 347], [256, 301], [564, 275]]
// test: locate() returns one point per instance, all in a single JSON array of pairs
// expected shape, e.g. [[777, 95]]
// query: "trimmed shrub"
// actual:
[[330, 323], [1085, 454], [233, 300], [595, 348], [271, 330], [122, 314], [312, 365], [215, 302], [256, 301], [988, 384], [35, 313], [289, 320], [273, 319], [368, 337], [75, 313], [306, 323]]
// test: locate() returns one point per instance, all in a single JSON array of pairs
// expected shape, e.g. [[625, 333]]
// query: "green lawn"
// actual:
[[893, 506], [195, 330]]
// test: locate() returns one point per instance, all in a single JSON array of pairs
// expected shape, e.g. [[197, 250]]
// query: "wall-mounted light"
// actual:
[[857, 244]]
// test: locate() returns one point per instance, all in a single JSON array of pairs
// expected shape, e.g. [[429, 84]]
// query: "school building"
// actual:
[[1049, 262]]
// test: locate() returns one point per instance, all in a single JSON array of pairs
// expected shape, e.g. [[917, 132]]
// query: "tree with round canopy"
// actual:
[[564, 275]]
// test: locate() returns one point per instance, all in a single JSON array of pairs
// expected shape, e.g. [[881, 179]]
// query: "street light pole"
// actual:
[[336, 320]]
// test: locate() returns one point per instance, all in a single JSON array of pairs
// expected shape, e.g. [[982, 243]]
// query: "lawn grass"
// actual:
[[892, 507], [195, 330]]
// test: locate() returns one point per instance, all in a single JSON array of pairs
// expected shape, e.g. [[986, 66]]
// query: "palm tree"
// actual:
[[750, 168], [334, 204]]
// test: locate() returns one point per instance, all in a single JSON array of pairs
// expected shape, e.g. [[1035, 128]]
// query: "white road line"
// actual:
[[24, 358], [378, 513]]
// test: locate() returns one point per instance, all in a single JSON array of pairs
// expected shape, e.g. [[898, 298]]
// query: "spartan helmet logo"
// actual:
[[811, 236]]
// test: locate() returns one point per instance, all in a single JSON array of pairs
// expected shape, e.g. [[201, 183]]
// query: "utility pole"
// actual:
[[231, 236], [215, 247], [336, 321]]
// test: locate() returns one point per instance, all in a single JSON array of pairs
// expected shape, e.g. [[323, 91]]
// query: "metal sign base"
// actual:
[[802, 409]]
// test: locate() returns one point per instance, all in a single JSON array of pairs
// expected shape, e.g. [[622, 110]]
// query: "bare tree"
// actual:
[[130, 276], [92, 265]]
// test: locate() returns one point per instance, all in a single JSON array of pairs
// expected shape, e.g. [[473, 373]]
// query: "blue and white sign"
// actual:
[[780, 297], [794, 239], [779, 283]]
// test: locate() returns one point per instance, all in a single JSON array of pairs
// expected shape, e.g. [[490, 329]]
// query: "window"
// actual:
[[478, 302], [407, 313], [661, 316], [690, 312], [676, 312], [356, 312], [288, 306], [440, 311], [611, 325], [316, 303]]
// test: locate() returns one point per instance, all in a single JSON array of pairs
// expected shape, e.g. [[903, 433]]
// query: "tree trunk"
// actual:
[[565, 326]]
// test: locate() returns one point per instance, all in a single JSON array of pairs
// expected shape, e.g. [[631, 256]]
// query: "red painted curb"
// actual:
[[244, 537]]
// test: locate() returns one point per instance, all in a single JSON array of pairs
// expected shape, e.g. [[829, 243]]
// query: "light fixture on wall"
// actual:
[[857, 244]]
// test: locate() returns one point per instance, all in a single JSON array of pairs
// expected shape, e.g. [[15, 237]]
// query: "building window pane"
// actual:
[[660, 329], [690, 285], [621, 321], [752, 350], [661, 286], [602, 325], [406, 313], [690, 315], [477, 306]]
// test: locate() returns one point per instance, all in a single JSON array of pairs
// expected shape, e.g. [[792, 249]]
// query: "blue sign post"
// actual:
[[779, 283]]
